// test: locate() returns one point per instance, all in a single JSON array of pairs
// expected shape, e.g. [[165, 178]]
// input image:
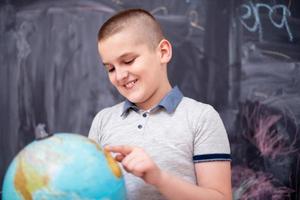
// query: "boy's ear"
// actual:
[[165, 51]]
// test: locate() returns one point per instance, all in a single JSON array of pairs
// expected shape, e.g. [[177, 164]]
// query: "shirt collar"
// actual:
[[169, 102]]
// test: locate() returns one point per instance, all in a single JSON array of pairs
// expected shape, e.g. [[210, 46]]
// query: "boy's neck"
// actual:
[[154, 100]]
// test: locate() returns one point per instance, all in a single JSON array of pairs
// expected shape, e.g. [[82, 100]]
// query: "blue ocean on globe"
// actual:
[[63, 166]]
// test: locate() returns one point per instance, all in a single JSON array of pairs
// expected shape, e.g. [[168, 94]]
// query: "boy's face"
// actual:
[[136, 70]]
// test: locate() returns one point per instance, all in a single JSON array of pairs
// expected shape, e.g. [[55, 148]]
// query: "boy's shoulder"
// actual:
[[119, 106], [193, 105], [196, 110]]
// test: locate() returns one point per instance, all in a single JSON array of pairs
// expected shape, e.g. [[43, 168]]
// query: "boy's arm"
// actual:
[[213, 178], [214, 182]]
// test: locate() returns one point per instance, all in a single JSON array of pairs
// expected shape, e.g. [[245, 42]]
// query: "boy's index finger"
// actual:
[[122, 149]]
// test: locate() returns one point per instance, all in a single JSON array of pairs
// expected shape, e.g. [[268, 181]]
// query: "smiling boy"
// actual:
[[170, 146]]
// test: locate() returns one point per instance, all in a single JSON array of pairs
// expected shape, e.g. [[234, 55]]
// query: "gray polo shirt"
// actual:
[[177, 133]]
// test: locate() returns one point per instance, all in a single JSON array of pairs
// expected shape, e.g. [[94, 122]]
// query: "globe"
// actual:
[[63, 166]]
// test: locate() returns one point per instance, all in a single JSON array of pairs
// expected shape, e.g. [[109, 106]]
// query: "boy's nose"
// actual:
[[121, 74]]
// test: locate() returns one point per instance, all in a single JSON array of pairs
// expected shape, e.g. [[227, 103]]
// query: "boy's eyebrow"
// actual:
[[126, 54], [122, 56]]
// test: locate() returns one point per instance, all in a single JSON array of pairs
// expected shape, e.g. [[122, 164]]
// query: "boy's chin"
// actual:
[[134, 100]]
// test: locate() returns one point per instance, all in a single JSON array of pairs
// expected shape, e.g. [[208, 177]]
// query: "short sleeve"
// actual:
[[95, 129], [211, 141]]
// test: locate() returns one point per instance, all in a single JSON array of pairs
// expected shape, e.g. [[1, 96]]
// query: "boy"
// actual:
[[171, 147]]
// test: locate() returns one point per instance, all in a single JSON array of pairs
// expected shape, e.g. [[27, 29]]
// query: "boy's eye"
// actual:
[[108, 67], [127, 62], [111, 69]]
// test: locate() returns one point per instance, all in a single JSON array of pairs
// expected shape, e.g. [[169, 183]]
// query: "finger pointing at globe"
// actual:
[[123, 149], [137, 162]]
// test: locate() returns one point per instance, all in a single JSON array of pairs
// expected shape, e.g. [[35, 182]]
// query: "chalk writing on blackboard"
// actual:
[[193, 18], [162, 9], [118, 2], [252, 11], [275, 53]]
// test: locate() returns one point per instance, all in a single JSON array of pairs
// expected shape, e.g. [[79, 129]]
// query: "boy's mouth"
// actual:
[[130, 84]]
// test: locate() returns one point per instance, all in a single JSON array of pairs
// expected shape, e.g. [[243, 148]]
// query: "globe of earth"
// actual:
[[63, 166]]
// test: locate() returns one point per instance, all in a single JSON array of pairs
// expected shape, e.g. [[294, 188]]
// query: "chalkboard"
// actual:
[[268, 74], [243, 57]]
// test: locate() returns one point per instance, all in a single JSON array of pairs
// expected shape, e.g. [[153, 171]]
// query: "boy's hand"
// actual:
[[136, 161]]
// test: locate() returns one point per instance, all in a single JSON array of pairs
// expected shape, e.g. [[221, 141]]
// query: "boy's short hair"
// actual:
[[139, 19]]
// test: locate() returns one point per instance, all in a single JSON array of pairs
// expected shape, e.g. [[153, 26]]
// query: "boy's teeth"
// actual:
[[130, 84]]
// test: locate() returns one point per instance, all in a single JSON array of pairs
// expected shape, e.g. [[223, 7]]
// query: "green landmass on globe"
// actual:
[[63, 166]]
